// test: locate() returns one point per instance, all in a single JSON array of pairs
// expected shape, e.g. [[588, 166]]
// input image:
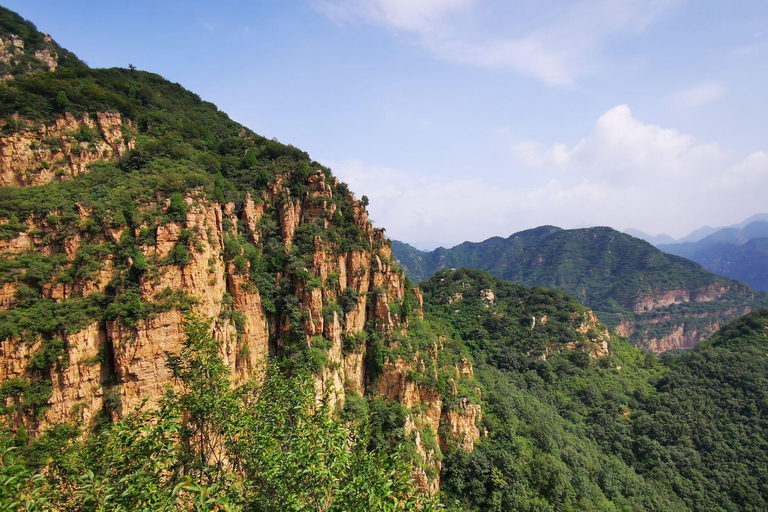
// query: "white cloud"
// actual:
[[627, 173], [749, 174], [696, 96], [623, 149], [426, 210], [555, 42]]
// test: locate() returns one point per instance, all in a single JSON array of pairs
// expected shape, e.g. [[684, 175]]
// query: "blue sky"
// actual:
[[465, 119]]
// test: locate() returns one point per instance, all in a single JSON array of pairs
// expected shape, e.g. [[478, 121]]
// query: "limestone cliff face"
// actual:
[[282, 271], [679, 296], [13, 49], [662, 328], [597, 334], [446, 425], [218, 287], [36, 155]]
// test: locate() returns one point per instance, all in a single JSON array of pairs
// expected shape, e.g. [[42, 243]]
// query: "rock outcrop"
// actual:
[[39, 155], [328, 298], [218, 287]]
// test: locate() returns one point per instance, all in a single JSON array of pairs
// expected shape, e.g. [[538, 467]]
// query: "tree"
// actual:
[[177, 209], [267, 445], [61, 100]]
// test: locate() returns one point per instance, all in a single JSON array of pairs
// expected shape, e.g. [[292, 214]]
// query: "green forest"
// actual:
[[612, 273], [627, 431]]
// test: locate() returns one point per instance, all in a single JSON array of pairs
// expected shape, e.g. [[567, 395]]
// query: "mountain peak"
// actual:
[[654, 299], [25, 50]]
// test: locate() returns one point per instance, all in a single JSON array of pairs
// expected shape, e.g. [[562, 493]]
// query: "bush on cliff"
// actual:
[[266, 445]]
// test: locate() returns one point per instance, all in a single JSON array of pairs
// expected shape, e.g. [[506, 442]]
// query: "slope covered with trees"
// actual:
[[128, 203], [657, 300], [566, 431]]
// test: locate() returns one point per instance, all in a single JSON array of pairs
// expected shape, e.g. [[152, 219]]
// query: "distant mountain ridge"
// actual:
[[695, 235], [657, 300], [654, 239], [736, 252]]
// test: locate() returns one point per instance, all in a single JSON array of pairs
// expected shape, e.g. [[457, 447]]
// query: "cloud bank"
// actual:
[[626, 173]]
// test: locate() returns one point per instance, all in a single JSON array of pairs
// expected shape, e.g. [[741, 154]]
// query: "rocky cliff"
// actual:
[[303, 276], [127, 203]]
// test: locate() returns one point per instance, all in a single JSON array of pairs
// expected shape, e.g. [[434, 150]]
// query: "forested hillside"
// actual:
[[656, 300], [129, 208], [589, 429]]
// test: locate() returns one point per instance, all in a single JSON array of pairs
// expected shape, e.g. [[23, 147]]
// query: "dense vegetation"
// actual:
[[21, 61], [608, 271], [570, 432], [566, 425], [182, 147], [266, 445]]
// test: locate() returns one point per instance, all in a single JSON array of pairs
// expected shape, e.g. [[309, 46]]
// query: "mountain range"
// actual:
[[739, 253], [695, 235], [657, 300]]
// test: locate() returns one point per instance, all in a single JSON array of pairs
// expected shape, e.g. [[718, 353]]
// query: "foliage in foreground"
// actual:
[[267, 445]]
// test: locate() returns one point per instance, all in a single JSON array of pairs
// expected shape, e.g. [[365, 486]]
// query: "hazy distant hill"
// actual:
[[658, 300], [695, 235], [735, 252], [654, 239]]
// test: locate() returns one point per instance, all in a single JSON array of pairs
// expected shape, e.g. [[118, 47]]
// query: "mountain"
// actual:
[[586, 414], [696, 235], [754, 218], [195, 317], [734, 252], [130, 208], [659, 301], [655, 240]]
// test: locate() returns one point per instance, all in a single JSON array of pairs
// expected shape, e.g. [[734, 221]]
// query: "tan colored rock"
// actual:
[[166, 239], [255, 335], [15, 356], [487, 297], [465, 369], [77, 388], [18, 245], [290, 218], [138, 369], [140, 356], [48, 57], [354, 373], [252, 213], [29, 158], [7, 296], [72, 245], [313, 312], [462, 423], [679, 296], [598, 344]]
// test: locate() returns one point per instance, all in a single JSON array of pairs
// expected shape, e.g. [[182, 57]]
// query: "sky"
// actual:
[[466, 119]]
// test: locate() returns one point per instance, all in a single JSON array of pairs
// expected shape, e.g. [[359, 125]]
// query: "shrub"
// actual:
[[177, 209]]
